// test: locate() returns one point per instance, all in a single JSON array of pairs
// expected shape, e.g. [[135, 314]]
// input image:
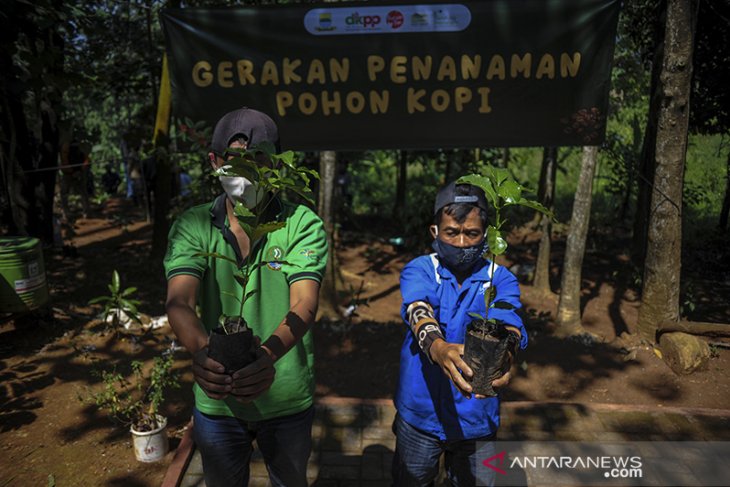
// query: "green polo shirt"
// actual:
[[302, 244]]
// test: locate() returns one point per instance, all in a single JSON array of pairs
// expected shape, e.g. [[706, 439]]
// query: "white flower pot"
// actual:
[[151, 446]]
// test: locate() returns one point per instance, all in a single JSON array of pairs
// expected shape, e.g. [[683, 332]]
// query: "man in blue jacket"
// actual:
[[437, 412]]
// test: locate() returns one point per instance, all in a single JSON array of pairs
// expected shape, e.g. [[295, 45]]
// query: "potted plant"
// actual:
[[487, 342], [135, 402], [232, 342], [120, 309]]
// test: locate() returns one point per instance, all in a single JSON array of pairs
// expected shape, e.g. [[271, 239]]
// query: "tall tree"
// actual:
[[31, 82], [660, 294], [725, 210], [568, 316], [541, 281], [328, 173], [400, 186]]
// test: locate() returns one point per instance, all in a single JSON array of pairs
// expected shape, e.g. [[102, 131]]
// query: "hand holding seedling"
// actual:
[[210, 375], [254, 379], [448, 356]]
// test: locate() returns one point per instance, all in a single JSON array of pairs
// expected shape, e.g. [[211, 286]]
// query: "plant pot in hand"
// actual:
[[486, 351], [232, 344]]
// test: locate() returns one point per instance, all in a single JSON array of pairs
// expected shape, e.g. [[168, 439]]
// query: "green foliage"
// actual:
[[136, 400], [501, 191], [117, 302]]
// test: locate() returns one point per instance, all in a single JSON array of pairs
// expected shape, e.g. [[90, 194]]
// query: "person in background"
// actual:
[[110, 180], [73, 176]]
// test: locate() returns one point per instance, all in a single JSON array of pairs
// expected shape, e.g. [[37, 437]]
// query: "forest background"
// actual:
[[92, 70]]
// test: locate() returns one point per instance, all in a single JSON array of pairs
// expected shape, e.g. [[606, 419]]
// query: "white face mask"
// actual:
[[241, 189]]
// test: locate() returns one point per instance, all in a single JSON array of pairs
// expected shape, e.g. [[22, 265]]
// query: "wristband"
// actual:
[[427, 334], [424, 326]]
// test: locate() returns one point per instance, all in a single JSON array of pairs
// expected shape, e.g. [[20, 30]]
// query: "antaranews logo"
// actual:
[[499, 457], [612, 467]]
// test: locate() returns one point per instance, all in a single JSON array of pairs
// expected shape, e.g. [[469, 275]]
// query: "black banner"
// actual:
[[366, 75]]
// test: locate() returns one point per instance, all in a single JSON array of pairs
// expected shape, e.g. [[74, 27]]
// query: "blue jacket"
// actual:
[[426, 398]]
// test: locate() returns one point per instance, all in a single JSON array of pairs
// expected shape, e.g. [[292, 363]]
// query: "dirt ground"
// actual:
[[49, 432]]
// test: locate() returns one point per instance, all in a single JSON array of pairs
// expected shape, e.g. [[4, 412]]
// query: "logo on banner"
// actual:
[[325, 22], [394, 19], [443, 17], [366, 21], [419, 19]]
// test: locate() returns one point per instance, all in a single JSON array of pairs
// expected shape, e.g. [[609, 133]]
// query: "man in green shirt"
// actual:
[[269, 400]]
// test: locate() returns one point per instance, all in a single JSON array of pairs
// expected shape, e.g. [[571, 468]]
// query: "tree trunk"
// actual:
[[11, 172], [635, 154], [43, 183], [505, 157], [328, 171], [400, 188], [660, 294], [648, 156], [21, 157], [161, 223], [726, 202], [542, 268], [568, 319]]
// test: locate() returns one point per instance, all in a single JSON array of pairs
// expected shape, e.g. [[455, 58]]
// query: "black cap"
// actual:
[[447, 195], [255, 126]]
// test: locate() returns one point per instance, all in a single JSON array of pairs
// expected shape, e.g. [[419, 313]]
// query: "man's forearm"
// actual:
[[292, 328], [186, 326], [424, 326]]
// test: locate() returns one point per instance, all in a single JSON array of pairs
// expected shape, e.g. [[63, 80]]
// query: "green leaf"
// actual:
[[129, 291], [266, 228], [287, 158], [241, 280], [476, 316], [241, 211], [233, 295], [510, 191], [216, 255], [244, 166], [115, 282], [100, 299], [482, 182], [498, 175], [497, 245], [304, 194], [535, 206], [128, 306], [249, 294]]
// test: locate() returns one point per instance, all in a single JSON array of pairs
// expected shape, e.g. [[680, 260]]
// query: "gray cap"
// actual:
[[254, 126], [447, 195]]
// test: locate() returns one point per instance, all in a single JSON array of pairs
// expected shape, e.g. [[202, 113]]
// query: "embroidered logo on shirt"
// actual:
[[483, 288], [273, 255], [309, 254]]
